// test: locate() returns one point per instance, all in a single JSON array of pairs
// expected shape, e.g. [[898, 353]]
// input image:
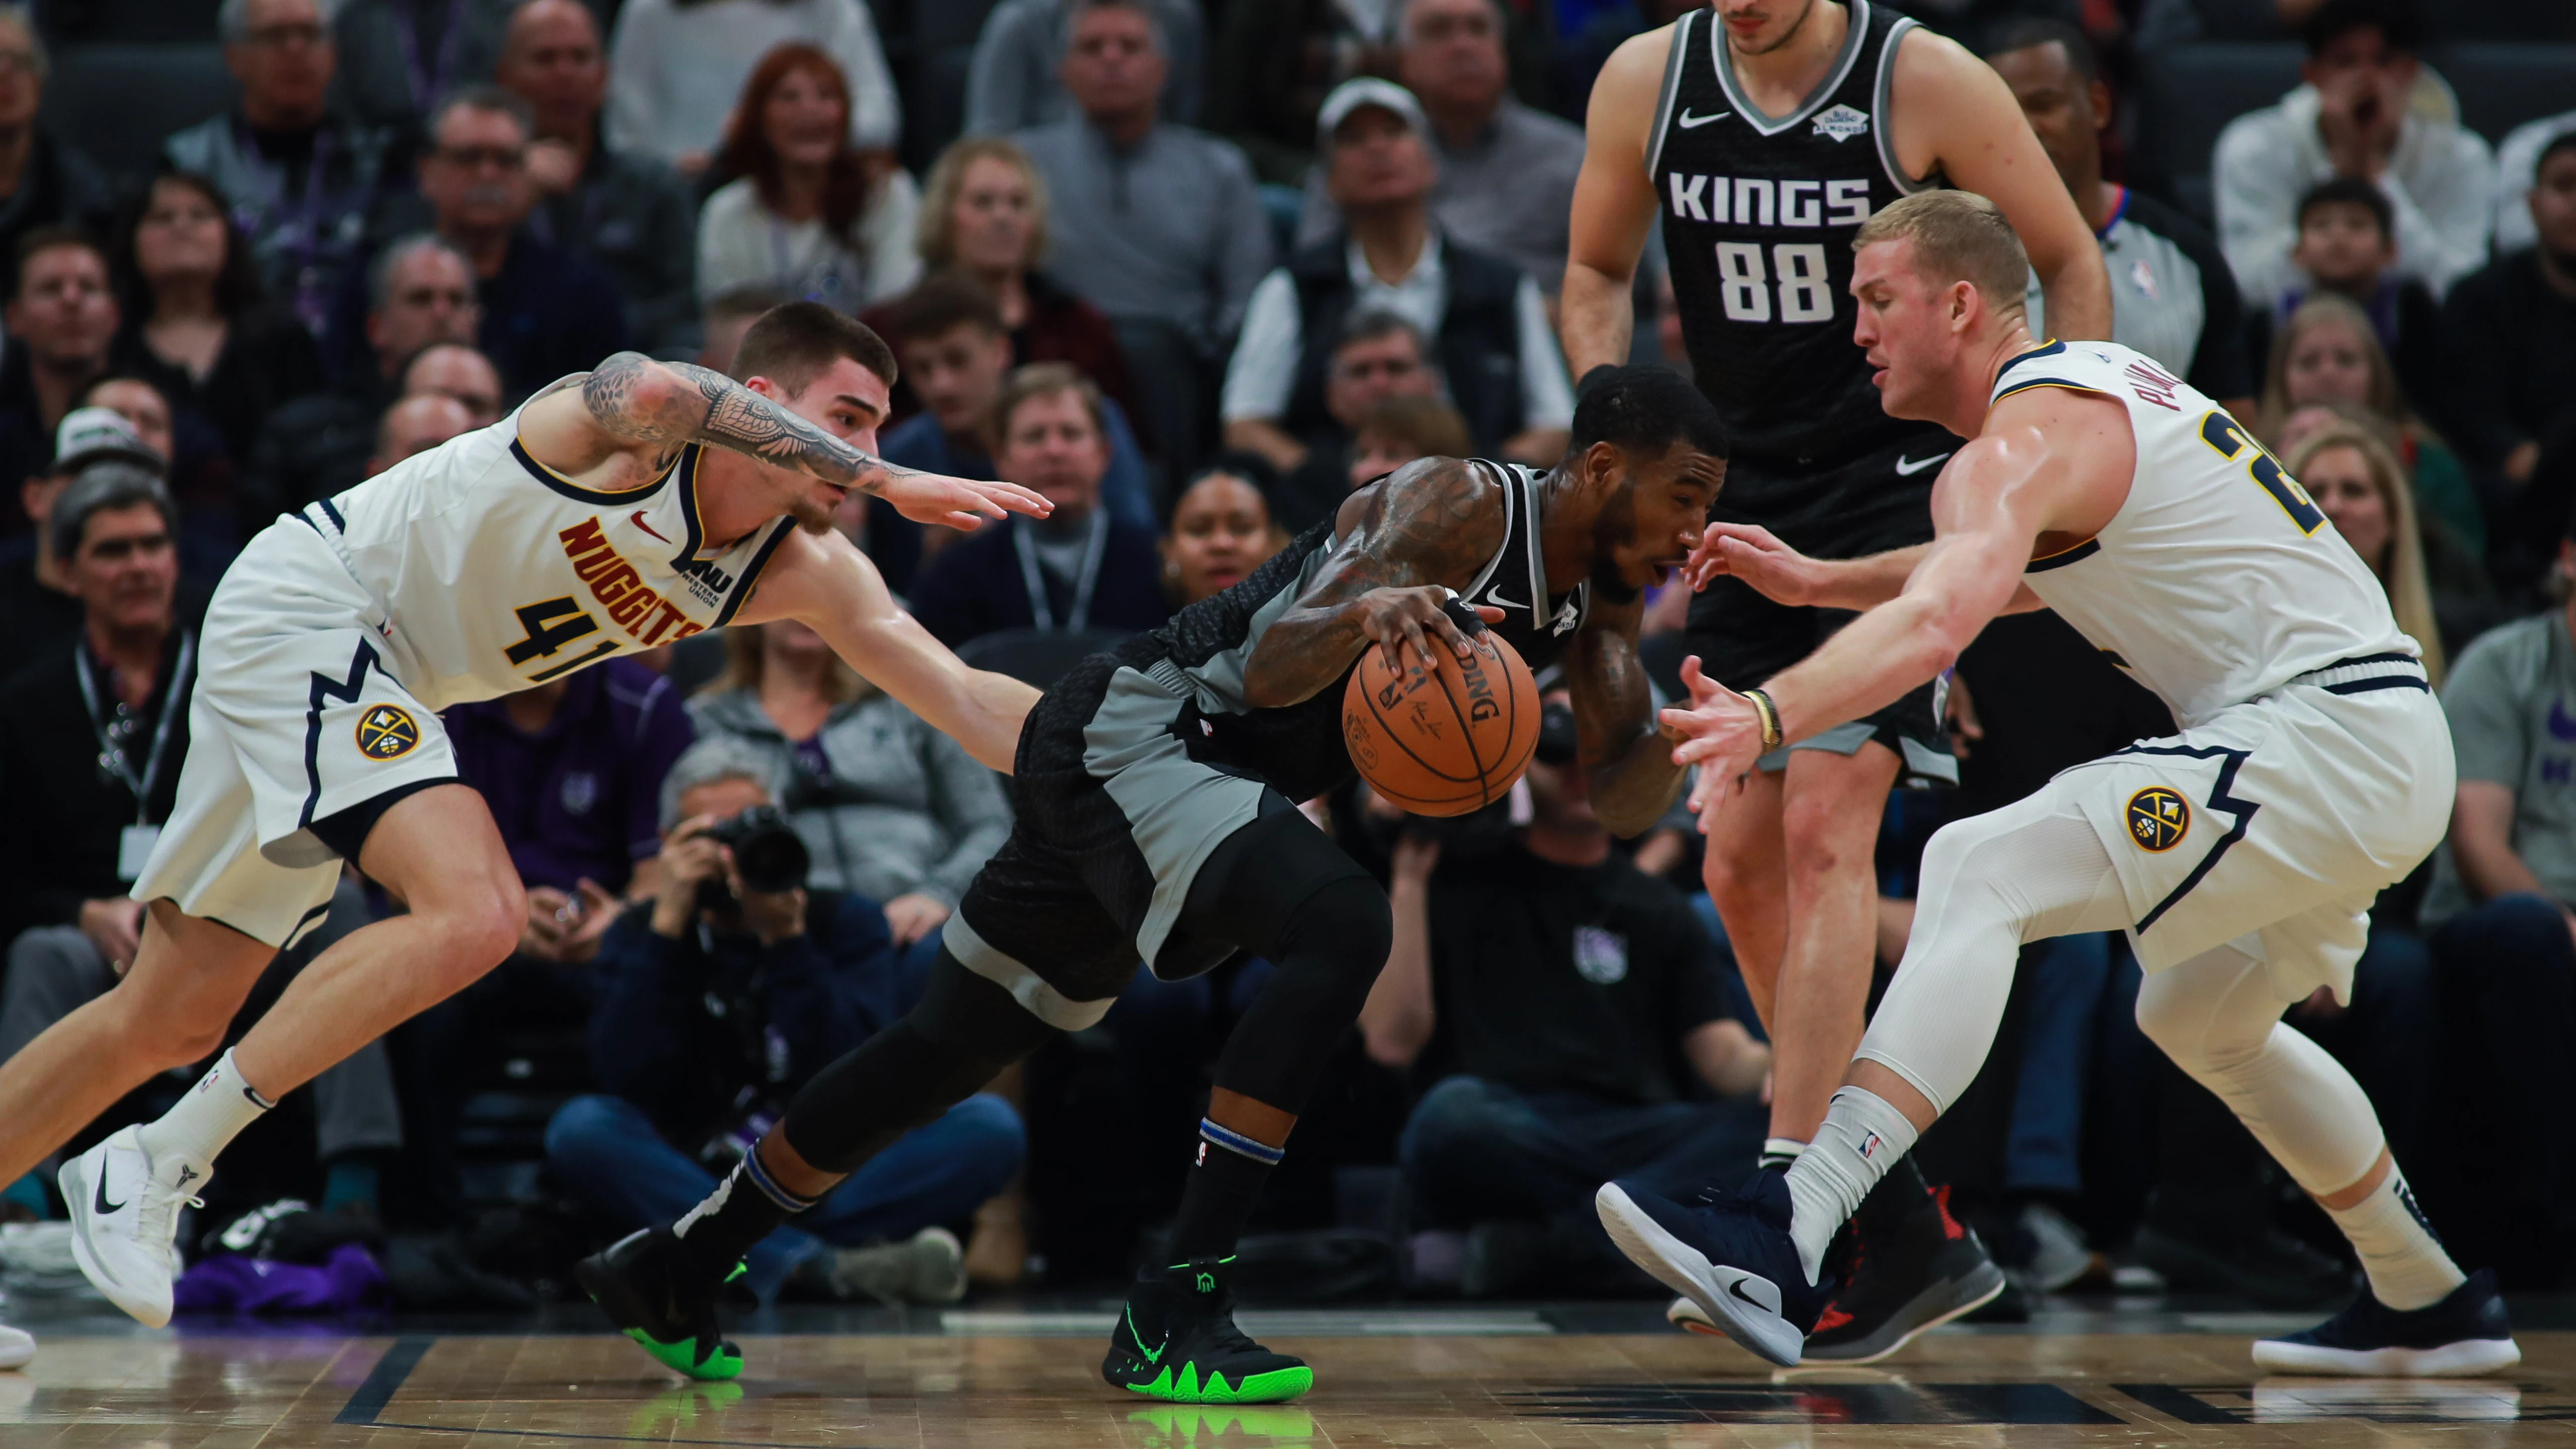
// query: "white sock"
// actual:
[[1860, 1140], [1779, 1152], [2407, 1265], [211, 1114]]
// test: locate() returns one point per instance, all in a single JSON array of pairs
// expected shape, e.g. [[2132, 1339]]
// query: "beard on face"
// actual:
[[1614, 525], [810, 516]]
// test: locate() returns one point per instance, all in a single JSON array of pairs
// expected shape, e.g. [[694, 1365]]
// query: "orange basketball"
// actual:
[[1442, 742]]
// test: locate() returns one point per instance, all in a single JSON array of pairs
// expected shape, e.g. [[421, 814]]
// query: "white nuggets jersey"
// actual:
[[2218, 580], [494, 573]]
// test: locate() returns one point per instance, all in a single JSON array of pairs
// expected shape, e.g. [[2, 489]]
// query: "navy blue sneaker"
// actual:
[[1729, 1253], [2461, 1336]]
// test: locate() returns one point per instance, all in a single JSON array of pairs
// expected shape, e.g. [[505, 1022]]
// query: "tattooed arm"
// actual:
[[1627, 754], [1405, 541], [631, 413]]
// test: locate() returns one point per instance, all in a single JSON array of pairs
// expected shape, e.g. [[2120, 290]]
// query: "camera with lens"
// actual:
[[768, 855]]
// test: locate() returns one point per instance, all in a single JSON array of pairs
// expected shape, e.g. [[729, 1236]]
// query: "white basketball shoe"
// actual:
[[125, 1218]]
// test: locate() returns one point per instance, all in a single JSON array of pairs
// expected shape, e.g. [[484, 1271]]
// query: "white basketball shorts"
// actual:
[[2273, 825], [295, 720]]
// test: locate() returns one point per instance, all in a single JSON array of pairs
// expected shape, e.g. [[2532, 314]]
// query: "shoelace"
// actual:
[[157, 1222]]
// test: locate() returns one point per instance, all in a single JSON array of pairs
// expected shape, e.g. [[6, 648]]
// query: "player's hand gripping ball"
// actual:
[[1442, 742]]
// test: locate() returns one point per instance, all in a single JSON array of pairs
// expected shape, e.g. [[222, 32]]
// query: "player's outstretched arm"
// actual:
[[826, 583], [1979, 139], [1614, 204], [1406, 542], [1626, 753], [1783, 575]]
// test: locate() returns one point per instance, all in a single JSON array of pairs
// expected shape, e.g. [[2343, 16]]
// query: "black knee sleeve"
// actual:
[[964, 1030], [1325, 957]]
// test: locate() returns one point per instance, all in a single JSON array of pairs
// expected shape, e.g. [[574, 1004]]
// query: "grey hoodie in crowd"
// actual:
[[904, 810]]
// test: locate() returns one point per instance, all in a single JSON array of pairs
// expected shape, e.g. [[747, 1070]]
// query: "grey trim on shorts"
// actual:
[[1178, 810], [1920, 763], [1041, 1000]]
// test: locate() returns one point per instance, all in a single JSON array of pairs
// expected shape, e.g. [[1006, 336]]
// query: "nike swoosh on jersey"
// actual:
[[1907, 467], [638, 520], [1689, 122], [1498, 601]]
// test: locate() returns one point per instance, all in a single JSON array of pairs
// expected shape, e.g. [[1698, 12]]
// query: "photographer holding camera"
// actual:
[[715, 1001]]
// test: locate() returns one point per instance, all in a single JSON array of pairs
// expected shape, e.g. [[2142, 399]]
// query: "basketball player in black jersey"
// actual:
[[1155, 789], [1764, 132]]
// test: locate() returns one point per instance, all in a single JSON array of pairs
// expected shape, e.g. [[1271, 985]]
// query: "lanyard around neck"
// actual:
[[112, 758], [1079, 616]]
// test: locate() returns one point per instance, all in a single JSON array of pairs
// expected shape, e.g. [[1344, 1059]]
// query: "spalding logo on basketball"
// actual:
[[1442, 742]]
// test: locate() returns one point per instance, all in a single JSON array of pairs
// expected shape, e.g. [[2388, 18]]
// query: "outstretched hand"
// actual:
[[1721, 733], [958, 503], [1752, 553]]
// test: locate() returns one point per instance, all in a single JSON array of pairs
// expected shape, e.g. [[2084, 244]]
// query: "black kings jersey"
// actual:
[[1759, 213], [1298, 749]]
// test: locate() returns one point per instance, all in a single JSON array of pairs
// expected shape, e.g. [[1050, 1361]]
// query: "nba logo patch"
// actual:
[[1869, 1147], [2143, 279], [1842, 123], [2158, 819], [387, 732]]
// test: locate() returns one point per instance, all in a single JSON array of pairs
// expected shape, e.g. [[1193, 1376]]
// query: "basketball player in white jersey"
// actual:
[[2313, 769], [618, 510]]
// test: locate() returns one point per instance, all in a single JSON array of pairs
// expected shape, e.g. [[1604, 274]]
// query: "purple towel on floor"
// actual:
[[230, 1283]]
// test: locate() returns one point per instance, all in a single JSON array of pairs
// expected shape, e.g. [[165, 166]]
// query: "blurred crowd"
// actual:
[[1195, 270]]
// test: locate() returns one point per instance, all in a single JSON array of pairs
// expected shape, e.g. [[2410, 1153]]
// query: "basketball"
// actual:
[[1442, 742]]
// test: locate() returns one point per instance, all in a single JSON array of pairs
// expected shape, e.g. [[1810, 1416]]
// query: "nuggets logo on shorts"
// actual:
[[2157, 819], [386, 732]]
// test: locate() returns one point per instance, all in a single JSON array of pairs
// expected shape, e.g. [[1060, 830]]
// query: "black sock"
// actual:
[[1222, 1190], [747, 1206], [1900, 1193]]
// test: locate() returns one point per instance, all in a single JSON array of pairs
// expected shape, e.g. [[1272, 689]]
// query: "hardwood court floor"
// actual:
[[1397, 1377]]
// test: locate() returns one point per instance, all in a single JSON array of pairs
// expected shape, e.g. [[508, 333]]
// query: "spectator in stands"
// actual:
[[2347, 246], [44, 181], [2172, 295], [414, 426], [1016, 79], [800, 211], [1081, 567], [676, 68], [2517, 171], [399, 60], [200, 473], [452, 369], [1400, 430], [1221, 531], [2351, 118], [545, 312], [92, 732], [1572, 1001], [1485, 319], [303, 184], [716, 1001], [2502, 933], [420, 294], [1272, 68], [2510, 330], [1379, 355], [2463, 594], [984, 214], [1157, 225], [145, 408], [2359, 484], [628, 214], [197, 325], [888, 807], [1506, 170], [2327, 352], [62, 318], [36, 596]]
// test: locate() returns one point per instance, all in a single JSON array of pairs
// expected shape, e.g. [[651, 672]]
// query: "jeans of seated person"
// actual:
[[2506, 971], [1476, 1150], [55, 970], [608, 1154], [2044, 1150]]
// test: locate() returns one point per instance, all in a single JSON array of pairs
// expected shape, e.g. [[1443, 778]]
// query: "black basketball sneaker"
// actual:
[[1177, 1341], [1913, 1275], [2463, 1335], [655, 1292]]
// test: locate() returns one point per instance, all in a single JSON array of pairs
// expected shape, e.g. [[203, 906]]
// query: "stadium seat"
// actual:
[[120, 101], [2186, 95], [2500, 86], [935, 103], [126, 22]]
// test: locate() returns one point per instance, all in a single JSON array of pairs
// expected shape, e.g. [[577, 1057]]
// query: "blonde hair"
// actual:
[[745, 666], [2401, 569], [935, 237], [2383, 399], [1958, 236]]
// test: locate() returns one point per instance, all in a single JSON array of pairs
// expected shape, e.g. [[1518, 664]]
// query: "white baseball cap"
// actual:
[[1367, 90], [92, 435]]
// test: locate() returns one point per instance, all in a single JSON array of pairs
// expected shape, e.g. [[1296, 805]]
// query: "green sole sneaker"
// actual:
[[683, 1357], [1182, 1386]]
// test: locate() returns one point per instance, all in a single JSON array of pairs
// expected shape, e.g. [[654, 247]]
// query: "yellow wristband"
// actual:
[[1770, 716]]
